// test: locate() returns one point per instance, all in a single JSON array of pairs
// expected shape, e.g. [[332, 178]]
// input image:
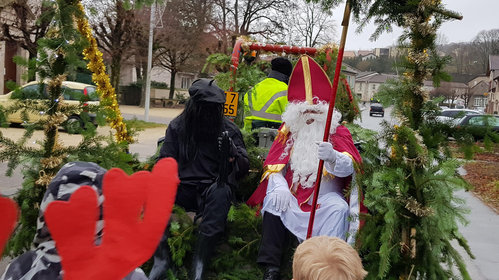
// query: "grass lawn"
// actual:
[[141, 125], [483, 175]]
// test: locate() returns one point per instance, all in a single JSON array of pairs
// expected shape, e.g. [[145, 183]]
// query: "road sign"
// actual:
[[231, 101]]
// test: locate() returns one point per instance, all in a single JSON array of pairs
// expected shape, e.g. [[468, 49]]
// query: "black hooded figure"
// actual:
[[193, 139]]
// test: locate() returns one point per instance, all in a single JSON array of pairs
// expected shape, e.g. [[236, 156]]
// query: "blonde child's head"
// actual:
[[324, 257]]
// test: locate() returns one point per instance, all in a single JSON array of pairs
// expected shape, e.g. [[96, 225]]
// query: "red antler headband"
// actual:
[[136, 210]]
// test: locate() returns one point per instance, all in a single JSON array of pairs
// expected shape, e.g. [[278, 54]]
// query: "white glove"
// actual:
[[326, 152], [281, 199]]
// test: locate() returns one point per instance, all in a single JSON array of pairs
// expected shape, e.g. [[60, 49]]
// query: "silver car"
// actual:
[[454, 116]]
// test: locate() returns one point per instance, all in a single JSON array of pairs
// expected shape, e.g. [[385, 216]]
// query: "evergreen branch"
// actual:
[[463, 243], [248, 244], [458, 259]]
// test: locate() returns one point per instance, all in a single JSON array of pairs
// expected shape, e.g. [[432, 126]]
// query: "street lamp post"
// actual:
[[149, 63]]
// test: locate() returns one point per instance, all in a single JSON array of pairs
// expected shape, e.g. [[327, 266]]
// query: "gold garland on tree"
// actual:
[[101, 79]]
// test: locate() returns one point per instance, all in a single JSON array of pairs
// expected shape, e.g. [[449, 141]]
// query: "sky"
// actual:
[[477, 15]]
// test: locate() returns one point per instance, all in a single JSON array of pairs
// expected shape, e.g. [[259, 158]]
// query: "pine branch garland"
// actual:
[[59, 56]]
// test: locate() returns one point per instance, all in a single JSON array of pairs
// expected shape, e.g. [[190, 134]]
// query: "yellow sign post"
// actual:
[[231, 101]]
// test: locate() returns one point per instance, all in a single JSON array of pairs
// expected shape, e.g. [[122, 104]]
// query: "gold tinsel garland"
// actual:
[[51, 162], [53, 122], [44, 179], [101, 79]]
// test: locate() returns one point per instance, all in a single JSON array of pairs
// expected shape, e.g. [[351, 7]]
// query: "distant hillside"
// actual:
[[468, 59], [379, 64]]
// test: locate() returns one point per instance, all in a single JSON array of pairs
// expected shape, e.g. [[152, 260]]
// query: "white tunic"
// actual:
[[331, 218]]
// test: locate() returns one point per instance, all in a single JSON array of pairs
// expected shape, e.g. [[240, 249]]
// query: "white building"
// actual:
[[368, 83], [493, 95], [9, 71]]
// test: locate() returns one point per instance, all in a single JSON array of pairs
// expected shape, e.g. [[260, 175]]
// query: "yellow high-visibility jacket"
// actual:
[[266, 101]]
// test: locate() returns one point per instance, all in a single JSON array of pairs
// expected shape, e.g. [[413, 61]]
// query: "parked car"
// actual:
[[453, 116], [479, 126], [376, 109], [73, 94]]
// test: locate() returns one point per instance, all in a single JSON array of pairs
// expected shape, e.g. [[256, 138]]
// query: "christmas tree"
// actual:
[[409, 175], [59, 55]]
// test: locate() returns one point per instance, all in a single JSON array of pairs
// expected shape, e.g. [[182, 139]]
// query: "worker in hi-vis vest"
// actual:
[[267, 100]]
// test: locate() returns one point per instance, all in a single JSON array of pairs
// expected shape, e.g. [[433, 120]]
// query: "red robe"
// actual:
[[342, 142]]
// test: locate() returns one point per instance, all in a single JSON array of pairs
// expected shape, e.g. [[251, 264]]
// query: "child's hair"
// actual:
[[325, 257]]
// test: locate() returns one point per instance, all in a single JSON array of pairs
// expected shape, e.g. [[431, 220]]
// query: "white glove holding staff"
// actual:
[[326, 152], [282, 198]]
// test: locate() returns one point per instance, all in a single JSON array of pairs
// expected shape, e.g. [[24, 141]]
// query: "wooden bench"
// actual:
[[164, 102]]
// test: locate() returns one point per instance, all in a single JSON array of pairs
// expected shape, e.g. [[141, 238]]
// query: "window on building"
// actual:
[[480, 101], [186, 82], [374, 86]]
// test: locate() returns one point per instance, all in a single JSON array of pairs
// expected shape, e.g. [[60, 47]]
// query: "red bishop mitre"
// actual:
[[308, 82]]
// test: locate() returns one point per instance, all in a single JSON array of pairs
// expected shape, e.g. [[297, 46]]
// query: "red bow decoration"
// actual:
[[8, 219], [136, 210]]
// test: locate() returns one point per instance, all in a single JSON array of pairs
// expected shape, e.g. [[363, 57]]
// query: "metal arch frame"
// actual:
[[236, 54]]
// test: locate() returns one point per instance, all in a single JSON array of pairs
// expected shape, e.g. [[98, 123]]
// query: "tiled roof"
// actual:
[[454, 84], [364, 53], [480, 84], [378, 78], [365, 73], [349, 69], [349, 54]]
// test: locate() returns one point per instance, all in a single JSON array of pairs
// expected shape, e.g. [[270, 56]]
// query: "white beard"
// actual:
[[303, 159]]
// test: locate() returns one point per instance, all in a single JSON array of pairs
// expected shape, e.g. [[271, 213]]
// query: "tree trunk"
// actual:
[[138, 72], [236, 17], [31, 73], [143, 66], [115, 76], [224, 27], [172, 84]]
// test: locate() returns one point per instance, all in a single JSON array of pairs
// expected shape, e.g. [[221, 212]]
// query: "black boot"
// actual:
[[271, 273], [205, 245], [162, 259]]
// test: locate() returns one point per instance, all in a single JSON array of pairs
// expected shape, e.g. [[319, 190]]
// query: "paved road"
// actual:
[[374, 122], [482, 232]]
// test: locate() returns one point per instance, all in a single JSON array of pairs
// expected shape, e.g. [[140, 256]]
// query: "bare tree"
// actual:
[[114, 31], [464, 58], [486, 42], [248, 18], [446, 90], [257, 17], [310, 25], [24, 23], [441, 39], [220, 24], [184, 24], [466, 97]]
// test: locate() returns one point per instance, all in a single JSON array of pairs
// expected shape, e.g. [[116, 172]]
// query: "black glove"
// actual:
[[232, 147]]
